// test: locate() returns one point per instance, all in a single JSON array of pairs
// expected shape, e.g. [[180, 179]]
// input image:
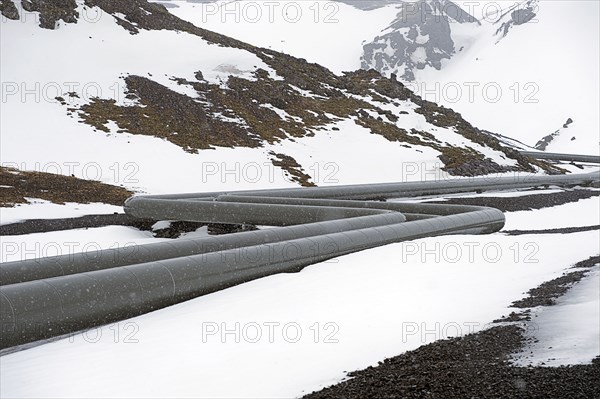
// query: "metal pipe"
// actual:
[[78, 293], [562, 157]]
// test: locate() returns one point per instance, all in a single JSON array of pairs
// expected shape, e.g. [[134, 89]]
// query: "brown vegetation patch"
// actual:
[[9, 10], [51, 11], [293, 169], [55, 188]]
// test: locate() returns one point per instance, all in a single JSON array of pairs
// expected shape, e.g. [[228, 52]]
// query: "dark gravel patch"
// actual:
[[91, 221], [473, 366], [527, 202], [547, 293], [515, 317], [566, 230], [477, 365], [175, 229], [88, 221]]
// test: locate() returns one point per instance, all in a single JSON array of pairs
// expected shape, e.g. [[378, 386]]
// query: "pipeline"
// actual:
[[50, 297], [562, 157]]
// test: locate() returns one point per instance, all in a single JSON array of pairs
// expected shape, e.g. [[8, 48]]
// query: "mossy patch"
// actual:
[[9, 10], [52, 11], [16, 185], [293, 168]]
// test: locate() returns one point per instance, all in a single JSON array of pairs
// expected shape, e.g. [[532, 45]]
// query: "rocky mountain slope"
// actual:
[[420, 36], [426, 32]]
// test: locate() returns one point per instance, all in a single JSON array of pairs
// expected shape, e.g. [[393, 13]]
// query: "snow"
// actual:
[[422, 39], [529, 83], [38, 245], [419, 56], [330, 156], [585, 212], [281, 113], [324, 32], [508, 193], [567, 333], [164, 224]]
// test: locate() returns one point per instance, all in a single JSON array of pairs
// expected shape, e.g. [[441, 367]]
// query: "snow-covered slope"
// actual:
[[523, 70], [527, 84], [520, 69], [325, 32], [130, 94]]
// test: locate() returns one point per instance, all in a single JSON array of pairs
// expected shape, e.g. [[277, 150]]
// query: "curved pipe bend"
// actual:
[[52, 296]]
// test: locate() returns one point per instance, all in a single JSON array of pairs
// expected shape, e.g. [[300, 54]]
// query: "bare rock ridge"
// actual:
[[423, 33], [545, 141], [420, 36], [519, 15]]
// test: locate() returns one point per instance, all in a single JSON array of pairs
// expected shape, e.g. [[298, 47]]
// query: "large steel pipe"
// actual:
[[35, 269], [78, 294], [553, 156], [384, 190], [45, 308]]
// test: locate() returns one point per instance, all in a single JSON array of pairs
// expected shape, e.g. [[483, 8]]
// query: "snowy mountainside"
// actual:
[[515, 72], [526, 84], [328, 33], [369, 4], [426, 32], [521, 70], [224, 105]]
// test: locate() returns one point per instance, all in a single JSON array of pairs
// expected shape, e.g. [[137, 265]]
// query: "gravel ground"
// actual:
[[88, 221], [477, 365], [175, 229], [474, 366], [526, 202], [546, 293], [565, 230]]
